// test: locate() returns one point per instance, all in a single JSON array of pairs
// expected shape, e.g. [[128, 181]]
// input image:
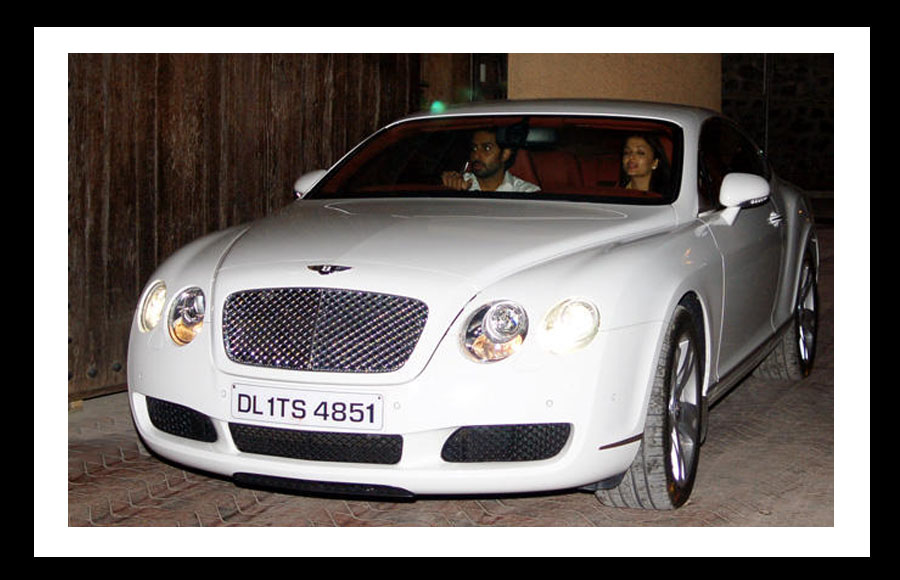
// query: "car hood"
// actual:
[[442, 252], [477, 241]]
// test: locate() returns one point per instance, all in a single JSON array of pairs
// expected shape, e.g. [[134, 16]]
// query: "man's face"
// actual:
[[486, 157]]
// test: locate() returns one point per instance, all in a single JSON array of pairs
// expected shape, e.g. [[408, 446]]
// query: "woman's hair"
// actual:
[[660, 180]]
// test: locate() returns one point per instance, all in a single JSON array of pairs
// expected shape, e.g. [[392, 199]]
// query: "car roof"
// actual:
[[684, 115]]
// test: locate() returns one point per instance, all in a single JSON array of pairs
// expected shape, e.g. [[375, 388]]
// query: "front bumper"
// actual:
[[534, 422]]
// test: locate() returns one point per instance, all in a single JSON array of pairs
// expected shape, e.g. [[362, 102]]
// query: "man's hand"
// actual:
[[455, 180]]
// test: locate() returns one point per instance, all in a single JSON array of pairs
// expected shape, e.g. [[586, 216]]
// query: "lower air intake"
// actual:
[[318, 445], [505, 443], [179, 420]]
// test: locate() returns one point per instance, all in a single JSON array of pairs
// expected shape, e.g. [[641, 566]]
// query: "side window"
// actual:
[[711, 168], [747, 157], [724, 150]]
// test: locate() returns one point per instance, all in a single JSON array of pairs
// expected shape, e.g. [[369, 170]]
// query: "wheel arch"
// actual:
[[692, 302], [642, 485]]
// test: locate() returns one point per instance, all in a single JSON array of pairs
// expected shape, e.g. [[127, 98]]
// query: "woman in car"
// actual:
[[644, 164]]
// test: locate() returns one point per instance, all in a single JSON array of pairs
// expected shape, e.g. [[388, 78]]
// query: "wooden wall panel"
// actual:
[[164, 148]]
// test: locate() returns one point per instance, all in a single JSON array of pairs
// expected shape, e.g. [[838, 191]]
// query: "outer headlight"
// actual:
[[150, 310], [570, 325], [186, 315], [496, 331]]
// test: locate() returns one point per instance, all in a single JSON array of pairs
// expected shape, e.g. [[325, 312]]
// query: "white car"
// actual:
[[504, 298]]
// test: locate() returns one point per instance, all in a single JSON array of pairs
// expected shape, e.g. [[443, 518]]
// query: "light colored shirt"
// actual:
[[510, 183]]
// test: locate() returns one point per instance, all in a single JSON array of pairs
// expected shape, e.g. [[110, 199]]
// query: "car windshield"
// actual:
[[594, 159]]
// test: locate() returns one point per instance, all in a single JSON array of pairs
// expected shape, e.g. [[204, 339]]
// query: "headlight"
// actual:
[[186, 315], [570, 325], [151, 308], [496, 331]]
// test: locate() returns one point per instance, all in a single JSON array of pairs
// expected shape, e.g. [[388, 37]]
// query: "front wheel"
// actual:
[[662, 474]]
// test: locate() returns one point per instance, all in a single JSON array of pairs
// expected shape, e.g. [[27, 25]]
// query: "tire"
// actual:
[[793, 357], [661, 477]]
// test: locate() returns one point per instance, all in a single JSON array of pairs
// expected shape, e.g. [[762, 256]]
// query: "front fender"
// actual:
[[197, 262], [153, 354], [633, 282]]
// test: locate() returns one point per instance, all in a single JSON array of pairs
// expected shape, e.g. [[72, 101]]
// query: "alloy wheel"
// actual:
[[684, 411], [807, 317]]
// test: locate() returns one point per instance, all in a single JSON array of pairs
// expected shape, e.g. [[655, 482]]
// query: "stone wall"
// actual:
[[786, 102]]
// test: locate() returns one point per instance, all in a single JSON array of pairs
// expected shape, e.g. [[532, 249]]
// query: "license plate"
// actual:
[[307, 408]]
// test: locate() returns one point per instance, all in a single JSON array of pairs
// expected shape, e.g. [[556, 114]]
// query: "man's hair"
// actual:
[[512, 137]]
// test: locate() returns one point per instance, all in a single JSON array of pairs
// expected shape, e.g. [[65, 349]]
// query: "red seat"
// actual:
[[560, 169], [522, 167], [556, 169], [601, 171]]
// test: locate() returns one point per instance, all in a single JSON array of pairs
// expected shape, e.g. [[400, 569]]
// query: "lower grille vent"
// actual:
[[318, 445], [180, 420], [505, 443]]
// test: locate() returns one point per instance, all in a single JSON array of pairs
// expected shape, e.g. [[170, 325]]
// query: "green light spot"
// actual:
[[438, 107]]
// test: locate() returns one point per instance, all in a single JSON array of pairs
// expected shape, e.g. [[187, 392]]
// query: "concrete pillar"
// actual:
[[689, 79]]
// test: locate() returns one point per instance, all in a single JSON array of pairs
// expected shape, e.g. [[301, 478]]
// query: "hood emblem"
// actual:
[[325, 269]]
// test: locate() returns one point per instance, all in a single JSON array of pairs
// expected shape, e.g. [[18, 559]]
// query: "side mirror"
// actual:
[[306, 182], [741, 190]]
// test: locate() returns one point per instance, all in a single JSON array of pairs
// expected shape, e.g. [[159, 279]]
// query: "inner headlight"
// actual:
[[570, 325], [496, 331], [151, 308], [186, 315]]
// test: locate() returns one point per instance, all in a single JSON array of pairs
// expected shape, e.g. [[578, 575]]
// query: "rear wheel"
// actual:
[[793, 357], [663, 472]]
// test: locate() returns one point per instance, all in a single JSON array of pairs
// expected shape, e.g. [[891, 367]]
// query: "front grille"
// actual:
[[318, 445], [180, 420], [322, 329], [505, 443]]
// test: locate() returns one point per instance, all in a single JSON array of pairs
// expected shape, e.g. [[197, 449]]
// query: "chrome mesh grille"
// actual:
[[322, 329]]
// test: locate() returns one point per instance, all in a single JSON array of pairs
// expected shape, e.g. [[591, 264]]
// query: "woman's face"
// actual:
[[638, 159]]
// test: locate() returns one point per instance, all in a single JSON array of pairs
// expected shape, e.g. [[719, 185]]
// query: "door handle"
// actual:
[[775, 219]]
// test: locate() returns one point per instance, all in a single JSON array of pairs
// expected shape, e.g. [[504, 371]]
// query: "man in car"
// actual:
[[488, 168]]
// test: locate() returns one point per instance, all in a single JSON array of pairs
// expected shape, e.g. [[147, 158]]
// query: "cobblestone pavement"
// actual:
[[768, 462]]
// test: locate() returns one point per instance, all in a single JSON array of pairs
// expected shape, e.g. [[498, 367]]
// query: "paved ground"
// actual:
[[768, 462]]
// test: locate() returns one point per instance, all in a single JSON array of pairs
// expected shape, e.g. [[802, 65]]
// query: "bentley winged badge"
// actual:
[[325, 269]]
